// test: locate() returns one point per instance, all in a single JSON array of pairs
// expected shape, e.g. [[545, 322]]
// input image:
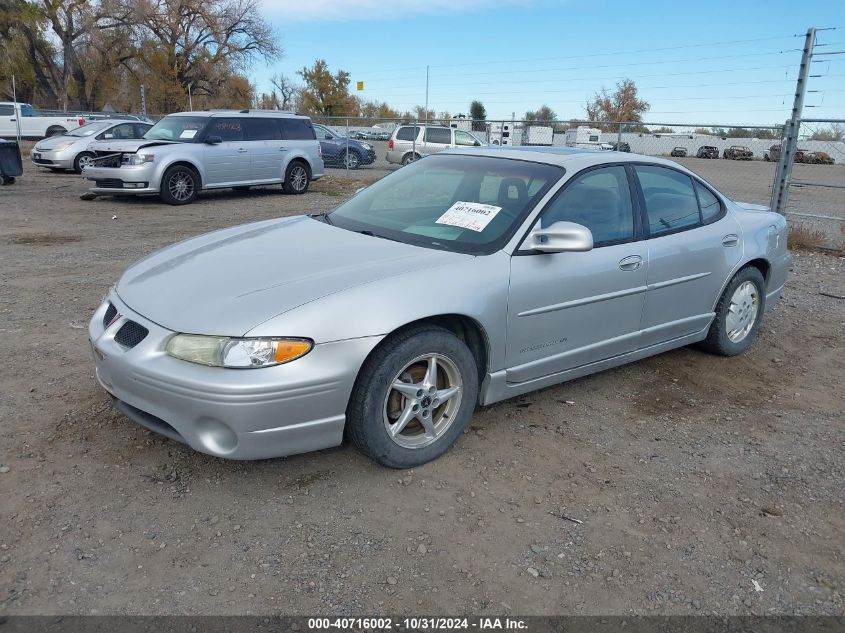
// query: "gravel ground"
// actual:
[[703, 484]]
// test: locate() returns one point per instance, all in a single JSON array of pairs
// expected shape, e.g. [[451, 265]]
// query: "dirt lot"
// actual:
[[705, 485]]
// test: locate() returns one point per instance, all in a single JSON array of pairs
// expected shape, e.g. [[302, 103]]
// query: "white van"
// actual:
[[411, 142]]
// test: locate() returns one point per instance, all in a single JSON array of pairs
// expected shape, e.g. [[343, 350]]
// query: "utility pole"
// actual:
[[780, 190], [190, 101], [18, 111], [426, 94], [143, 102]]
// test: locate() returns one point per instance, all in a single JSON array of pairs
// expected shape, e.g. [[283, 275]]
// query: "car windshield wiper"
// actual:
[[323, 217]]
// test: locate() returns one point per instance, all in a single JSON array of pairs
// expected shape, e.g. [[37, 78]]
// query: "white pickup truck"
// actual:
[[32, 124]]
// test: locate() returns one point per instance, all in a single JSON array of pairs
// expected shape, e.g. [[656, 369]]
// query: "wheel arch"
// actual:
[[466, 328], [181, 163], [760, 263]]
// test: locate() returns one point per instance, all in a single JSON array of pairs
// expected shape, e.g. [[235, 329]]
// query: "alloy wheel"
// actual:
[[742, 312], [423, 400]]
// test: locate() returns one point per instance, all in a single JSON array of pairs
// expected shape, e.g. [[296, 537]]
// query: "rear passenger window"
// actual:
[[227, 129], [670, 201], [711, 208], [297, 129], [7, 110], [441, 135], [259, 129], [407, 133]]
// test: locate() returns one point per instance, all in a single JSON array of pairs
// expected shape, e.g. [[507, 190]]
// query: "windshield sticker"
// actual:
[[188, 134], [469, 215]]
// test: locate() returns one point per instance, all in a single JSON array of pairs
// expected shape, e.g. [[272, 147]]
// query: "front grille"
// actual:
[[111, 311], [109, 183], [130, 334]]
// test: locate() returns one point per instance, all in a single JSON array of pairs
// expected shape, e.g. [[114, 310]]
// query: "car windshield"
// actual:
[[90, 129], [462, 203], [185, 129]]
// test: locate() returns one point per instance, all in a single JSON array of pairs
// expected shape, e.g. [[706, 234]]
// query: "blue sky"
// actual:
[[716, 62]]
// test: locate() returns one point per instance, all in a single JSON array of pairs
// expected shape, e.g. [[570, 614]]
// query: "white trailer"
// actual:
[[583, 136], [33, 125], [503, 133], [538, 135]]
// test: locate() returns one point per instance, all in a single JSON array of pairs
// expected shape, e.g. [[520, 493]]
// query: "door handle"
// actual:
[[730, 240], [282, 148], [241, 150], [632, 262]]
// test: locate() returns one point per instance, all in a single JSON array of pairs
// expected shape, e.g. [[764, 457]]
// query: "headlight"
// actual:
[[242, 353], [61, 146], [367, 146], [140, 159]]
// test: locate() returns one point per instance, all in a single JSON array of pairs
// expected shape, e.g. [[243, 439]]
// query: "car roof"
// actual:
[[568, 157], [242, 113]]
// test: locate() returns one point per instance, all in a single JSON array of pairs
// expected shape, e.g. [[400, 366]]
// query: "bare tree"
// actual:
[[288, 91]]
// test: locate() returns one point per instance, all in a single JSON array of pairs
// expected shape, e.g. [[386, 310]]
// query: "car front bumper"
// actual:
[[128, 179], [233, 413], [62, 159]]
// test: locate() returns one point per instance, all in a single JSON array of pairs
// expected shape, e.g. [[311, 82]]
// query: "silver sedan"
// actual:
[[467, 278], [70, 150]]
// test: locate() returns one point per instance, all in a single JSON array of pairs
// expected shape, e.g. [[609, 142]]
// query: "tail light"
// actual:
[[81, 122], [390, 144]]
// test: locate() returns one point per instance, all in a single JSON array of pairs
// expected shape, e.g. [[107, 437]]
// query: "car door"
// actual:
[[570, 309], [437, 139], [266, 148], [226, 162], [693, 245]]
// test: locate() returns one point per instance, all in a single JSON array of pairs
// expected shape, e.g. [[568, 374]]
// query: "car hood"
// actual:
[[126, 146], [54, 141], [227, 282]]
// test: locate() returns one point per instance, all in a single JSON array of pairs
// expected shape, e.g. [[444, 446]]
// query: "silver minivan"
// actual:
[[188, 152], [411, 142]]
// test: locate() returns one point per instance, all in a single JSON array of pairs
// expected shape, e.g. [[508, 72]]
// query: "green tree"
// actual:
[[325, 93], [623, 104], [544, 114], [478, 114]]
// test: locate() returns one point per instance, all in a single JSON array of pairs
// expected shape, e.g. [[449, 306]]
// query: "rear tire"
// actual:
[[8, 180], [406, 427], [407, 159], [738, 314], [55, 131], [82, 160], [297, 178], [179, 185]]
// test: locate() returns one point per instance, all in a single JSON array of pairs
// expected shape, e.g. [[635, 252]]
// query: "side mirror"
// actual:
[[476, 144], [328, 137], [560, 237], [213, 140]]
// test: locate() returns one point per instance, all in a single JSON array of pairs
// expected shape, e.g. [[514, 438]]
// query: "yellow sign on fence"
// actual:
[[360, 85]]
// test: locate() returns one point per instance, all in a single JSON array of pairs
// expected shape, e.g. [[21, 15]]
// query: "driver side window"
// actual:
[[599, 199], [464, 138]]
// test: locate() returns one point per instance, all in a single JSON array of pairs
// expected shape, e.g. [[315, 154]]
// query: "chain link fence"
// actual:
[[816, 197]]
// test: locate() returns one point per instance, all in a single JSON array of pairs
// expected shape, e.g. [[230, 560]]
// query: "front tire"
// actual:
[[179, 185], [738, 314], [297, 178], [351, 160], [82, 160], [413, 397]]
